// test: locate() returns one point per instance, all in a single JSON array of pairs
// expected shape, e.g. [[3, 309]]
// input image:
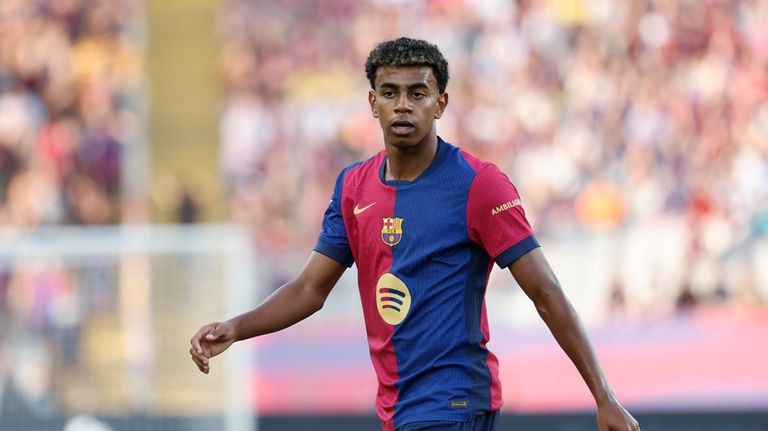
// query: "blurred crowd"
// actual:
[[67, 76], [609, 115], [67, 72]]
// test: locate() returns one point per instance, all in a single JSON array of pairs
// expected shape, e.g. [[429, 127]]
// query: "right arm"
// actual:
[[291, 303]]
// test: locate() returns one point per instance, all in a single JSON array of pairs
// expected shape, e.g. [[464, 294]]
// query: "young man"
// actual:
[[424, 221]]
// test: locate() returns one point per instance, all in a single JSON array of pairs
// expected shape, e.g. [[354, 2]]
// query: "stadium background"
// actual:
[[167, 163]]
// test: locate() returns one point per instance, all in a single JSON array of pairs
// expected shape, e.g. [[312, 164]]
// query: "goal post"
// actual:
[[96, 321]]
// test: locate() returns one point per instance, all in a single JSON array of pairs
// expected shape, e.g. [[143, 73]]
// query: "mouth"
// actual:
[[403, 127]]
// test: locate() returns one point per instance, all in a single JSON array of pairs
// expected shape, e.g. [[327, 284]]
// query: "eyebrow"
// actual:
[[410, 87]]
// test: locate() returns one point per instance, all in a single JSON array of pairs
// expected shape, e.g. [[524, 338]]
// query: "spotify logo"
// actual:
[[393, 299]]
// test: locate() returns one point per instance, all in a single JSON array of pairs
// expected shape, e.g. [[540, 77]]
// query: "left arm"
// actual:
[[538, 281]]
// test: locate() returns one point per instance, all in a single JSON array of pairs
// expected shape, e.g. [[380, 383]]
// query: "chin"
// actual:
[[404, 142]]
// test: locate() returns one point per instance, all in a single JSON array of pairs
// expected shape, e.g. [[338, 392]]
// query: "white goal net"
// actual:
[[95, 326]]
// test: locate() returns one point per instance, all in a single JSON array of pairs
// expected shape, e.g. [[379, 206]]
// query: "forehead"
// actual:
[[405, 75]]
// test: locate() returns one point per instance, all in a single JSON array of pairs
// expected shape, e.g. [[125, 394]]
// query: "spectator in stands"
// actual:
[[647, 113]]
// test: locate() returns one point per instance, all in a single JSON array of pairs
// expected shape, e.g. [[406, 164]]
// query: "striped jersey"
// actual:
[[424, 250]]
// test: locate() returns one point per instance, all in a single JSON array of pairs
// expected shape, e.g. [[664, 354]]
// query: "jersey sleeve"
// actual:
[[496, 219], [333, 240]]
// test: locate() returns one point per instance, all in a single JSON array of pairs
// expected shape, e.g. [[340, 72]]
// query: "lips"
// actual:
[[402, 127]]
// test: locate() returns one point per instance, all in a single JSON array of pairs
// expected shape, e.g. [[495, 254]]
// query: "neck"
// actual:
[[407, 163]]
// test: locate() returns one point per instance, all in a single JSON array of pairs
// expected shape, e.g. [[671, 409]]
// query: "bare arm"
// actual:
[[291, 303], [538, 281]]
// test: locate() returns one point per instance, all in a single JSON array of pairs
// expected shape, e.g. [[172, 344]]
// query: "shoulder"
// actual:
[[458, 167], [485, 172], [463, 170], [475, 163], [491, 187], [363, 168]]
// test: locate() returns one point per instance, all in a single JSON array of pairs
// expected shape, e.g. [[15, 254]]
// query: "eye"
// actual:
[[388, 93], [418, 95]]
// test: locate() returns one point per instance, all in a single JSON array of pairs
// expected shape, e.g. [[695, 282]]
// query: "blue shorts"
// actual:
[[486, 422]]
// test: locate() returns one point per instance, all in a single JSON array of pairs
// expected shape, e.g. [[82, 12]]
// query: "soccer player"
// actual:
[[424, 221]]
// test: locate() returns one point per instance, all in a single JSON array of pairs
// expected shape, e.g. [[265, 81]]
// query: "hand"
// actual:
[[613, 417], [209, 341]]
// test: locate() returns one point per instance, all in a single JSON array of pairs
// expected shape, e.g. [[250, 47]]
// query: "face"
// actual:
[[407, 102]]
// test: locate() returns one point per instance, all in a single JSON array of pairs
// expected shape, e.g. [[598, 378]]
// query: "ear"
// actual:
[[442, 102], [372, 102]]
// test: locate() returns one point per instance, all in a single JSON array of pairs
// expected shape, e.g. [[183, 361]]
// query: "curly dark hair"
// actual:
[[407, 52]]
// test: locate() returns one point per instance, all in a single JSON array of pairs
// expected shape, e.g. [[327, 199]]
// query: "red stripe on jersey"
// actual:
[[491, 360], [365, 205], [493, 363], [473, 161]]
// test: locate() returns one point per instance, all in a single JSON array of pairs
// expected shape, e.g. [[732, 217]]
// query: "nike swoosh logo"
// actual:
[[357, 210]]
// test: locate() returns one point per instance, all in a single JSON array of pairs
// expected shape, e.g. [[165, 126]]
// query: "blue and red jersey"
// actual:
[[424, 250]]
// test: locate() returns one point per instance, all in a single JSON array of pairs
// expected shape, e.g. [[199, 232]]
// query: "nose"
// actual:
[[402, 104]]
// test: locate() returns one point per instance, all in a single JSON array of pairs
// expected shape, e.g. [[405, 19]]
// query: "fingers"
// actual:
[[195, 342], [206, 349], [217, 335], [200, 361], [200, 349], [213, 333], [197, 338], [631, 426], [625, 424]]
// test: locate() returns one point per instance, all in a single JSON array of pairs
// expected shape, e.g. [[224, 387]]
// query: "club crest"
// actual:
[[392, 230]]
